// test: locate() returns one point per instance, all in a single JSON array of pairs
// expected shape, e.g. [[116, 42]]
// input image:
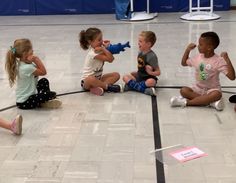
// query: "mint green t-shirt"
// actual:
[[26, 82]]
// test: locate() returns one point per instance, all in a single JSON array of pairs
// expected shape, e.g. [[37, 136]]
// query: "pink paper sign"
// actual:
[[187, 154]]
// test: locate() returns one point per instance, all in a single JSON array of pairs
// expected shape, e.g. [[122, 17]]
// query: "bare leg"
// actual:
[[150, 82], [110, 78], [188, 93], [204, 100], [93, 82], [5, 124], [128, 77]]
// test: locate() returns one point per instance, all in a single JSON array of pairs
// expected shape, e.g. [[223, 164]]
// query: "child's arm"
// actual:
[[185, 57], [40, 69], [231, 72], [153, 71], [105, 55]]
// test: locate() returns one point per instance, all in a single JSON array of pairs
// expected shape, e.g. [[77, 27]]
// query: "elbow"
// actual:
[[232, 78], [44, 73], [111, 60]]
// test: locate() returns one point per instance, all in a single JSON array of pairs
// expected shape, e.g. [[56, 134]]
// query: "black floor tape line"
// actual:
[[157, 140]]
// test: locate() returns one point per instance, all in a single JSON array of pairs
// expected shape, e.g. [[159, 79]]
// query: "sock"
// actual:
[[138, 86]]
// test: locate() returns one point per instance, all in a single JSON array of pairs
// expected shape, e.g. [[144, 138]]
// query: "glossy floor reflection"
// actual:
[[108, 139]]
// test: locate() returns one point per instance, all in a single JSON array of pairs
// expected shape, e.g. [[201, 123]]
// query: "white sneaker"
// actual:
[[218, 105], [150, 91], [16, 125], [178, 101], [52, 104]]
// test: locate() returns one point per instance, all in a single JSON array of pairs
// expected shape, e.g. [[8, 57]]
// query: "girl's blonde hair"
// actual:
[[86, 36], [14, 54]]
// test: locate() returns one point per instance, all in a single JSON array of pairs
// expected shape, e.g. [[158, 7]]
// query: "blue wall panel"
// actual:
[[98, 6], [168, 5], [141, 5], [47, 7], [17, 7], [219, 5]]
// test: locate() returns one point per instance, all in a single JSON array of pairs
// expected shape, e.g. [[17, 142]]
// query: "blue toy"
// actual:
[[117, 48]]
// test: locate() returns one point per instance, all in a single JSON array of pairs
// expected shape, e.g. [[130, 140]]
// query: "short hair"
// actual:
[[212, 37], [149, 36]]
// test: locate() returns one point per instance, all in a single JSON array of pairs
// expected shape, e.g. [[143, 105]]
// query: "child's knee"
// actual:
[[116, 75], [126, 78], [150, 82], [184, 91]]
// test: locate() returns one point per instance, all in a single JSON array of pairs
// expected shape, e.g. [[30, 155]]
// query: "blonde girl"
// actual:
[[93, 78], [23, 69]]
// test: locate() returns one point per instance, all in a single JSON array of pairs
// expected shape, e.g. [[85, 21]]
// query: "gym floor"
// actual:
[[108, 139]]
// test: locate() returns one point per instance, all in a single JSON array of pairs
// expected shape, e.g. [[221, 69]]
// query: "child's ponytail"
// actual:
[[85, 37], [14, 54], [83, 41], [11, 65]]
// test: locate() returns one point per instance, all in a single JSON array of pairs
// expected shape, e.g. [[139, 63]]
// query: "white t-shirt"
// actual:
[[92, 66], [26, 82]]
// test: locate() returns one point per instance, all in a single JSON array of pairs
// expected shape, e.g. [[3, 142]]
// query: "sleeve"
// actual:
[[153, 60], [28, 69], [222, 66], [92, 54], [192, 61]]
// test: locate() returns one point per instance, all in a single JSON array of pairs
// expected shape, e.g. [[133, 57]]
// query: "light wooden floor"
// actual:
[[108, 139]]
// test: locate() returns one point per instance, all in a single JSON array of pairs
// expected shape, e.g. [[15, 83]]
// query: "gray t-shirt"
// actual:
[[149, 58]]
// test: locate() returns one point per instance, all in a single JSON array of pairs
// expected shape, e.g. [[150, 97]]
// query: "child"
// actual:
[[15, 126], [208, 66], [23, 68], [93, 78], [145, 78]]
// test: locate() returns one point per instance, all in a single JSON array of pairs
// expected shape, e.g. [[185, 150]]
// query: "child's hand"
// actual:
[[98, 49], [191, 46], [106, 43], [225, 55], [149, 69], [31, 58]]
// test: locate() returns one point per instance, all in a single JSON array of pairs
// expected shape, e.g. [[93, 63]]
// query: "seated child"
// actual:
[[145, 78], [24, 68], [208, 65]]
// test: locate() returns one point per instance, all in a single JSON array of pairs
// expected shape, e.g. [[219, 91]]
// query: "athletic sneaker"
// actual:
[[232, 99], [97, 91], [178, 101], [115, 88], [53, 95], [126, 88], [218, 105], [150, 91], [52, 104], [16, 125]]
